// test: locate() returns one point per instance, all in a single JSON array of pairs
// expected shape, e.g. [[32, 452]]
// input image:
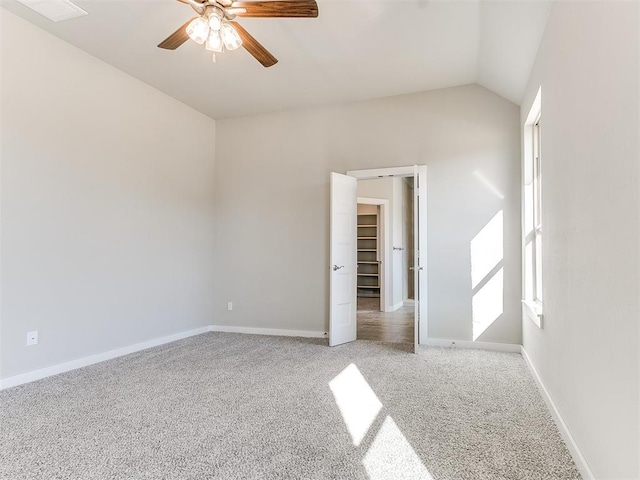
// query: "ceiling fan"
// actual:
[[216, 29]]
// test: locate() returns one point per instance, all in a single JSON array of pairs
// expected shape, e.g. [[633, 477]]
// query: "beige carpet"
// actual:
[[229, 406]]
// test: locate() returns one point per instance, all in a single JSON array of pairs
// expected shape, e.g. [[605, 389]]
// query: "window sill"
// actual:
[[533, 310]]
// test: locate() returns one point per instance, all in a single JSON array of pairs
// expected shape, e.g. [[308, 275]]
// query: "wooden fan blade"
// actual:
[[254, 47], [177, 38], [278, 8]]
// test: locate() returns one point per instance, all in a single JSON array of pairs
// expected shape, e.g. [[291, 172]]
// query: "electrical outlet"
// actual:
[[229, 306], [32, 338]]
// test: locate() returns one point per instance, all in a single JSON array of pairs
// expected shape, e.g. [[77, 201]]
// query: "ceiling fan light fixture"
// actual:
[[230, 37], [198, 30], [215, 27], [214, 42], [215, 19]]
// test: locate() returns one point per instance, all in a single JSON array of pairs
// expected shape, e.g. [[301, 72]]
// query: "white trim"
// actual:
[[385, 252], [268, 331], [533, 310], [529, 308], [119, 352], [382, 172], [396, 306], [496, 347], [409, 302], [416, 171], [535, 109], [373, 201], [420, 249], [574, 450], [97, 358]]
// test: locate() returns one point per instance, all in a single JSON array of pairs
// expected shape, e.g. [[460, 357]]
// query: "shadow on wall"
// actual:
[[487, 276]]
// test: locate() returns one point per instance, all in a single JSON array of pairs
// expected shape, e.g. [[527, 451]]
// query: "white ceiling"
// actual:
[[354, 50]]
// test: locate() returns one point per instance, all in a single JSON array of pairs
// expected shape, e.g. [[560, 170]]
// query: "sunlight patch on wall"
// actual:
[[487, 304], [487, 249], [490, 186], [391, 456], [487, 283], [357, 402]]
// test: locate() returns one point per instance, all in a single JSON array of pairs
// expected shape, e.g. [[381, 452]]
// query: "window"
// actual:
[[532, 214], [537, 215]]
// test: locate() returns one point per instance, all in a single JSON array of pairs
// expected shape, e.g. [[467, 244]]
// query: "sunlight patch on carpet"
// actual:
[[357, 402], [391, 456]]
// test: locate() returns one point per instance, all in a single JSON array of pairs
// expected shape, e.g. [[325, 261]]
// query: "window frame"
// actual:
[[532, 218], [537, 212]]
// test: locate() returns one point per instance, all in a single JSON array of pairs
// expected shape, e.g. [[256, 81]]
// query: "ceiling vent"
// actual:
[[55, 10]]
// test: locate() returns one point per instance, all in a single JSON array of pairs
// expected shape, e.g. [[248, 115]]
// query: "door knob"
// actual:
[[336, 267]]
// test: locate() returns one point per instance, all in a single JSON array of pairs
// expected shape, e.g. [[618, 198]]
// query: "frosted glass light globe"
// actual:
[[198, 30], [230, 37], [214, 42], [215, 20]]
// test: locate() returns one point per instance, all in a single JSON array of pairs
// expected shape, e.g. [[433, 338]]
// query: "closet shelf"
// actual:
[[369, 295], [369, 265]]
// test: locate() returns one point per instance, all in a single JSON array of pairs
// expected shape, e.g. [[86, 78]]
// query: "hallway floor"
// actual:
[[394, 327]]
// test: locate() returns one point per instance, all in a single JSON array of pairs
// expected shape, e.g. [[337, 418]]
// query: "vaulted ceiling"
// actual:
[[354, 50]]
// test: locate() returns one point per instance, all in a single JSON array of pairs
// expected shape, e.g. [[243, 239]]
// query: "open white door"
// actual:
[[344, 210], [420, 252]]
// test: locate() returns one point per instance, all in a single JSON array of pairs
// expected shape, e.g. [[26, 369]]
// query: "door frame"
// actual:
[[408, 171], [385, 273]]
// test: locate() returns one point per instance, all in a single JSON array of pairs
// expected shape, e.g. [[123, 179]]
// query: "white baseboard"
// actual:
[[119, 352], [574, 450], [393, 308], [100, 357], [497, 347], [268, 331], [409, 302]]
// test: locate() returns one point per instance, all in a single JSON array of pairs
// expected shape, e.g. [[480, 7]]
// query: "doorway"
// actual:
[[345, 257], [384, 295]]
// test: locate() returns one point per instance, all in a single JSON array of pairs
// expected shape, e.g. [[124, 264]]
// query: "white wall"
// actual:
[[587, 351], [272, 199], [107, 205]]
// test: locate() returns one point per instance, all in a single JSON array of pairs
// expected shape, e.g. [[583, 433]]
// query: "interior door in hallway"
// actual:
[[343, 211], [420, 253]]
